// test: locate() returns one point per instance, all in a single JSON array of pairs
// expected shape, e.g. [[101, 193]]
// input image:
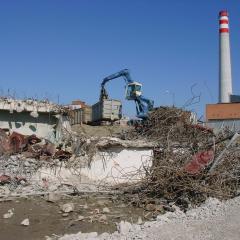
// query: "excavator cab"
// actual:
[[133, 90]]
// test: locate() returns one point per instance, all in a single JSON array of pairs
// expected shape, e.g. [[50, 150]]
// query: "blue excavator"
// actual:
[[133, 91]]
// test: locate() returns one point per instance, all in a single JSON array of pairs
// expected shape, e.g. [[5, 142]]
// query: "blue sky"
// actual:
[[64, 48]]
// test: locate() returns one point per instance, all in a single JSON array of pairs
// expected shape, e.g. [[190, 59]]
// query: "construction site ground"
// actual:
[[187, 189], [90, 214], [211, 221]]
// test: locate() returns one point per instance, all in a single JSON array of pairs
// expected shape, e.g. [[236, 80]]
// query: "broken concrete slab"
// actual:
[[80, 218], [25, 222], [53, 197], [103, 218], [67, 207], [106, 210], [108, 142], [124, 227], [9, 214]]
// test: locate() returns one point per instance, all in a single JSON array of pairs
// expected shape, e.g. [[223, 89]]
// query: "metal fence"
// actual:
[[233, 124]]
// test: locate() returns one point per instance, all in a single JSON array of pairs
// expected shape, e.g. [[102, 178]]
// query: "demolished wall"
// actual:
[[91, 164], [43, 126], [108, 168], [28, 117]]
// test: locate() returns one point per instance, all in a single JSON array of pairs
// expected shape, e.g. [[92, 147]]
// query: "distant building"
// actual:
[[223, 115], [77, 104], [80, 112]]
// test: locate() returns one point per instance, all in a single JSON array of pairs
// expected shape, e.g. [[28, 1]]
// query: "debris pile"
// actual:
[[32, 165], [30, 146], [182, 167], [203, 222]]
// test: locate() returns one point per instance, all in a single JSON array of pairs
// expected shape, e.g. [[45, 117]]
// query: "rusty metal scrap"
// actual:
[[17, 142], [5, 179], [199, 161], [30, 146], [62, 155], [4, 142]]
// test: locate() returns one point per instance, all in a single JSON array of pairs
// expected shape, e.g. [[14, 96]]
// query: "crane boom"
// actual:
[[133, 92], [123, 73]]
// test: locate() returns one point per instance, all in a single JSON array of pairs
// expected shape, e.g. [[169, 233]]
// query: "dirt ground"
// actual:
[[214, 220], [46, 218]]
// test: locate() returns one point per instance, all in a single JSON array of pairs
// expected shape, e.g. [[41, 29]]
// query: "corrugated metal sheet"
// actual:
[[233, 125], [87, 114], [81, 115], [107, 110], [235, 99], [76, 116], [222, 111]]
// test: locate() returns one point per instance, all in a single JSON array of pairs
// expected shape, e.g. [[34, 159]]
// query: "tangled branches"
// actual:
[[181, 162]]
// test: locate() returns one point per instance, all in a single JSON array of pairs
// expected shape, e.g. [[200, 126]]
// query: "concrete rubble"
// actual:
[[162, 166], [53, 197], [33, 165], [29, 164], [25, 222], [9, 214], [204, 222], [67, 208], [106, 210], [27, 171]]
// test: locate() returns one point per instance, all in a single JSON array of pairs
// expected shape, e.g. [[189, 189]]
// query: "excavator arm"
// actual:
[[133, 92], [123, 73], [143, 106]]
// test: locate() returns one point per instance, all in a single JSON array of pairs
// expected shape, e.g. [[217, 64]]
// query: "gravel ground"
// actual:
[[213, 220]]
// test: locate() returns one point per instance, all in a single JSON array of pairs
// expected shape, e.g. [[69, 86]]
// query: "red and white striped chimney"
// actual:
[[225, 74]]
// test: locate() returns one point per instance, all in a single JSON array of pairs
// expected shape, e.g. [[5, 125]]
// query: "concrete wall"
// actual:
[[42, 126], [117, 165]]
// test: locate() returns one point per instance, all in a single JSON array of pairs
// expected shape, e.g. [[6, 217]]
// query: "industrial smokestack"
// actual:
[[225, 74]]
